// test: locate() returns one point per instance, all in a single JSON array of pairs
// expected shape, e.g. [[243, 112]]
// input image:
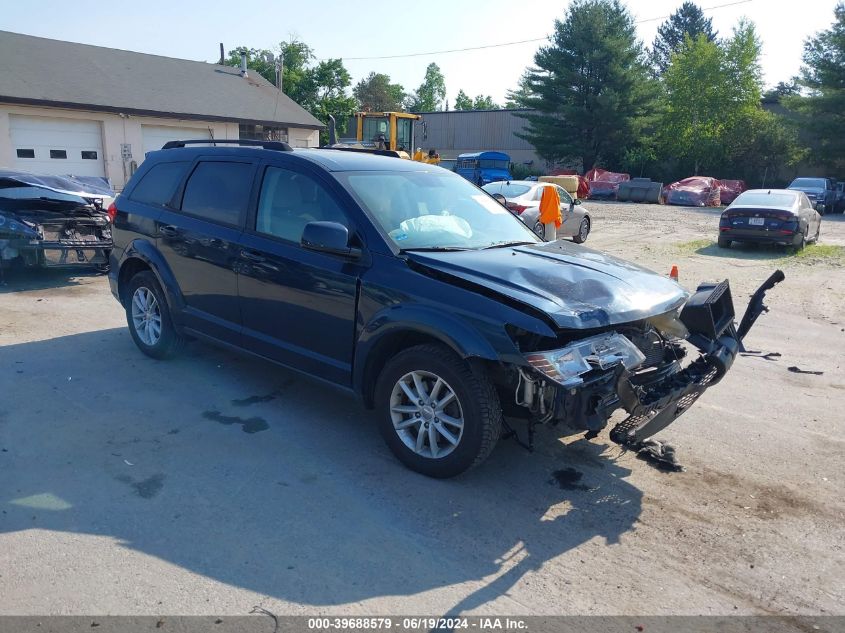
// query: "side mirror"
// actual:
[[819, 206], [500, 199], [576, 201], [328, 237]]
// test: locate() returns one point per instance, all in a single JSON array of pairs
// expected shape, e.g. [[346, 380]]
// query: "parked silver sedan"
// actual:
[[522, 197]]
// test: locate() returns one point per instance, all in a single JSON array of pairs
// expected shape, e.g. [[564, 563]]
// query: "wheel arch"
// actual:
[[142, 255], [381, 344]]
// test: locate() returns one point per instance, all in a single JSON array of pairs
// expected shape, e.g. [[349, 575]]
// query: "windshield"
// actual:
[[816, 183], [375, 127], [507, 189], [756, 199], [428, 210]]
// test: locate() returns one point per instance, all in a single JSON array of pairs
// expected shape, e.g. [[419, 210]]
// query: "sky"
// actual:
[[193, 29]]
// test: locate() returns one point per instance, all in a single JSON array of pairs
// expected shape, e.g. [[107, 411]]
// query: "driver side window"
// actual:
[[289, 200]]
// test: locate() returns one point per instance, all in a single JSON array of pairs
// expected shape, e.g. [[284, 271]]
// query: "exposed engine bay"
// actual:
[[640, 367], [50, 221]]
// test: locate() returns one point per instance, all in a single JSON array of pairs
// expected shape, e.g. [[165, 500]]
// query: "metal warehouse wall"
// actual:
[[459, 131]]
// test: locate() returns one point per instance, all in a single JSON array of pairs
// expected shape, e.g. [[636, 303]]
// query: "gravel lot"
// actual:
[[213, 483]]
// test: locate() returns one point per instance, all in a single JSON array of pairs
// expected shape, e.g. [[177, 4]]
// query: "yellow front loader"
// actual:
[[386, 131]]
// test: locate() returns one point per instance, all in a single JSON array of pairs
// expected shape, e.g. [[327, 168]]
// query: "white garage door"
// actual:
[[157, 135], [57, 146]]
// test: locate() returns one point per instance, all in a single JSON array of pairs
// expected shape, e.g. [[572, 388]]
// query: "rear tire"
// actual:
[[148, 317], [409, 428], [583, 232], [724, 242], [801, 243]]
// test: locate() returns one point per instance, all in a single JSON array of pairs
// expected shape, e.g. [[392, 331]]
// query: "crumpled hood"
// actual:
[[577, 287], [83, 186]]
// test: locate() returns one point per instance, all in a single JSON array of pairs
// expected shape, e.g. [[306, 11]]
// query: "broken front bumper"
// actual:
[[61, 242], [639, 368], [709, 315]]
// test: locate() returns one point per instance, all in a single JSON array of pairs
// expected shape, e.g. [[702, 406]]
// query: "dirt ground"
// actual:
[[214, 483]]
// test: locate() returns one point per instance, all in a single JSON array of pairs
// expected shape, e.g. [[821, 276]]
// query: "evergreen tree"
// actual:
[[822, 111], [687, 21], [590, 88]]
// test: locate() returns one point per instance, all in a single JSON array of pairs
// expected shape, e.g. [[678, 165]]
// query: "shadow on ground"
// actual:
[[744, 250], [246, 474], [25, 279]]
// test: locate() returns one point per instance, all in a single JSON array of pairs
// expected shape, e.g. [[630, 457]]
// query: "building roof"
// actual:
[[40, 71]]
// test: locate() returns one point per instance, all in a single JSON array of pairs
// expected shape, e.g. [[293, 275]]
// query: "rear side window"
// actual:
[[159, 183], [218, 191]]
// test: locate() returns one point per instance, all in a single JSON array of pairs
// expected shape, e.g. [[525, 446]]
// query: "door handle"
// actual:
[[168, 230], [252, 256]]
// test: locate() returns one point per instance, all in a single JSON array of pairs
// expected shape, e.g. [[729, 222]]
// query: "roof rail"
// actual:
[[279, 146], [365, 150]]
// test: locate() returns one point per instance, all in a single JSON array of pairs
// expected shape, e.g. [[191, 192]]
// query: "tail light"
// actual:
[[518, 208], [112, 211]]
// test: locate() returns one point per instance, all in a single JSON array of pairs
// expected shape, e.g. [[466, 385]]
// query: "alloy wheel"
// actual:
[[426, 414], [584, 230], [146, 316]]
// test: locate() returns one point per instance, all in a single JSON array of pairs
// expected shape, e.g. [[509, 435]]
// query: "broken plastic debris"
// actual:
[[128, 463]]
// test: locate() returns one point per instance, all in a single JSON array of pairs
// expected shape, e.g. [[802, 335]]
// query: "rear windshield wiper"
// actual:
[[506, 244]]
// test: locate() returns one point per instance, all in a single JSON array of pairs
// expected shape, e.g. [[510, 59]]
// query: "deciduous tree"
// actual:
[[375, 93], [463, 101], [431, 93], [320, 89]]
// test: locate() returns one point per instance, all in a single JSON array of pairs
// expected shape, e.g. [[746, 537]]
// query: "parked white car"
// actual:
[[522, 198]]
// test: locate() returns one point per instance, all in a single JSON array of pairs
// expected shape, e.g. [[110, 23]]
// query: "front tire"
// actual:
[[148, 317], [724, 242], [583, 232], [438, 415]]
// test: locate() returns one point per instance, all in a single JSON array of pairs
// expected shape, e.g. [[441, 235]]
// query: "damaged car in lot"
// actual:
[[405, 285], [53, 221]]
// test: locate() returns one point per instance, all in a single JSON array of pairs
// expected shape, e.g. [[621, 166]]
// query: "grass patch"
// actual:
[[828, 252], [695, 245]]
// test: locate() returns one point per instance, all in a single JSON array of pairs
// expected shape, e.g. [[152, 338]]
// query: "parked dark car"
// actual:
[[770, 216], [53, 221], [404, 284], [820, 191]]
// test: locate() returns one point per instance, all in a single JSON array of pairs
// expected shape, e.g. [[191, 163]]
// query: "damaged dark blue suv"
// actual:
[[415, 290]]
